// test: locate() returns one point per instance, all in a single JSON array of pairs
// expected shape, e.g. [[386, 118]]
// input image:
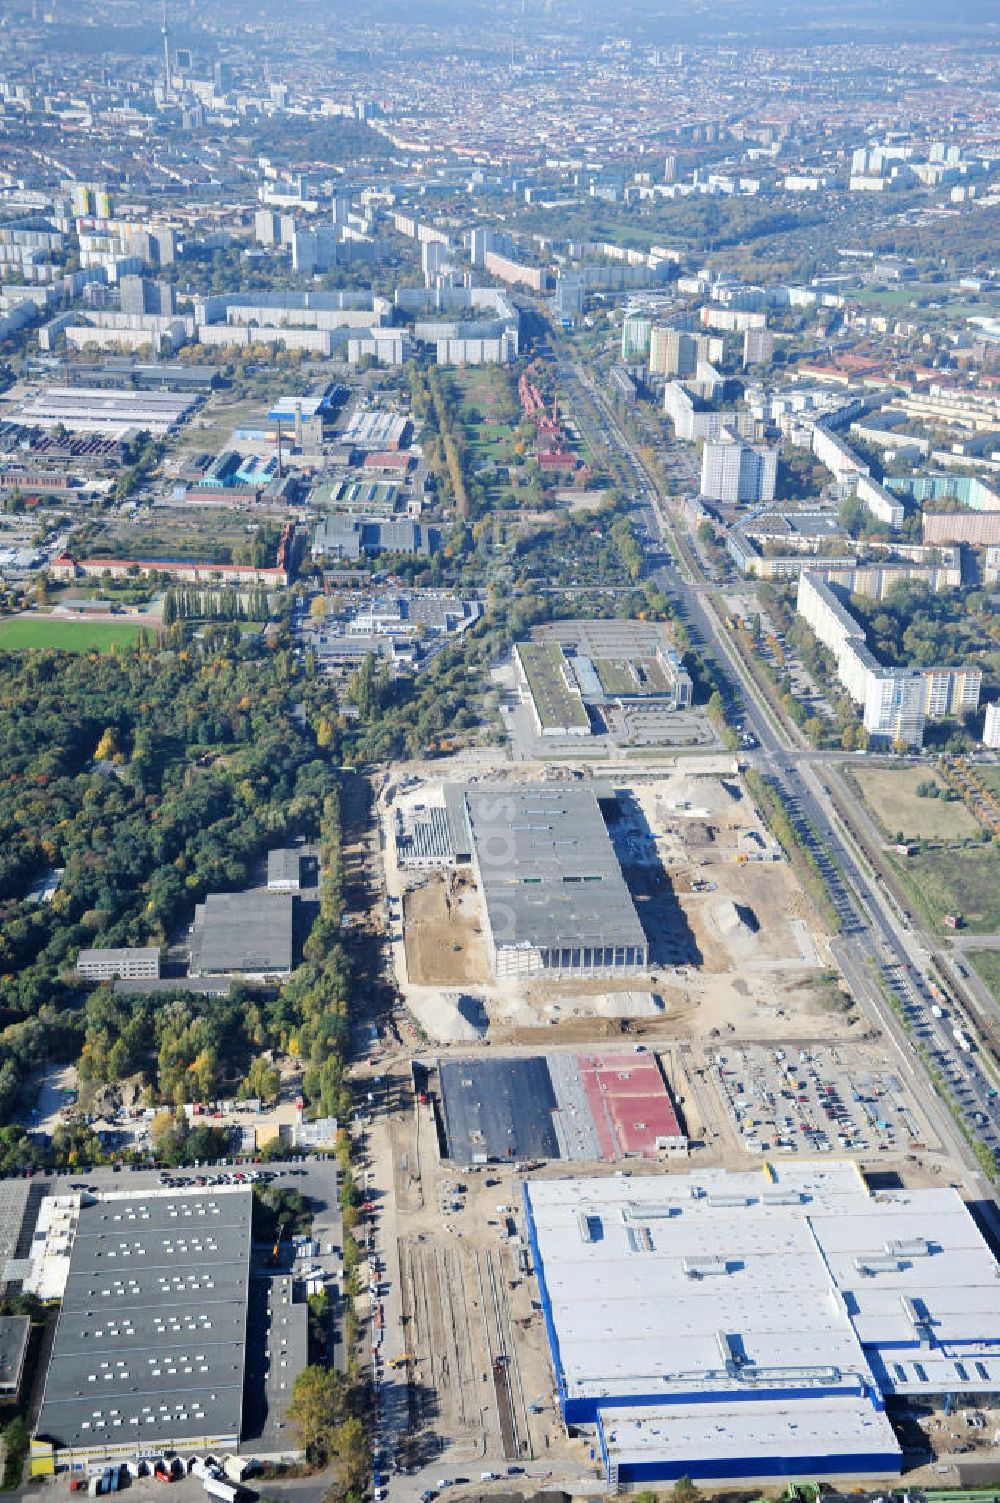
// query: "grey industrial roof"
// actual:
[[100, 406], [15, 1235], [547, 869], [284, 864], [347, 533], [498, 1109], [150, 1343], [277, 1351], [249, 932], [193, 986], [14, 1333]]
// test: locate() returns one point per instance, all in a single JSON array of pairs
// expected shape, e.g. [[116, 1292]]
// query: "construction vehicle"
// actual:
[[275, 1258]]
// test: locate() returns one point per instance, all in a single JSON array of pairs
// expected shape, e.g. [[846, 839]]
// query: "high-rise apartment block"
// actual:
[[569, 297], [267, 227], [732, 471], [896, 701], [138, 296], [635, 337], [758, 346], [991, 727], [677, 352]]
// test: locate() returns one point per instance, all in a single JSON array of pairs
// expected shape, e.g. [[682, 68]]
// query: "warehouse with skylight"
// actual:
[[747, 1325]]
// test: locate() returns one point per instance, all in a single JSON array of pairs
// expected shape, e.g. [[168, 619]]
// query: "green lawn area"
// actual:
[[954, 880], [890, 793], [986, 964], [18, 633], [246, 628], [955, 305], [484, 386], [490, 441]]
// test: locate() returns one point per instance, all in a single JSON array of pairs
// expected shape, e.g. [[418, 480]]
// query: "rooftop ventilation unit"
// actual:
[[701, 1268], [876, 1264]]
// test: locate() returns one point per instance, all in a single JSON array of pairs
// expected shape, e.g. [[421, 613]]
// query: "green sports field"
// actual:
[[18, 633]]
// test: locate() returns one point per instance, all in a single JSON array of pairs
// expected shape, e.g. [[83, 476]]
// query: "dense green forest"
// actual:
[[149, 778]]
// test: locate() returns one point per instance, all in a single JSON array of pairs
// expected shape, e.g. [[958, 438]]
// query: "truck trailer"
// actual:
[[216, 1488]]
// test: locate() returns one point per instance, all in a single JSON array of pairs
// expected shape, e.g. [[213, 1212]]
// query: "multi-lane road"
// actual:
[[886, 962]]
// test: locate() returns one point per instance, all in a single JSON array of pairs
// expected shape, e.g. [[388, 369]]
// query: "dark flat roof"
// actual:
[[150, 1345], [14, 1333], [250, 932], [498, 1109]]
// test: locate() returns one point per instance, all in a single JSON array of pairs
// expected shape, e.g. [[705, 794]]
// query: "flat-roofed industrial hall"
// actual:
[[553, 893], [150, 1346], [755, 1324], [584, 1107]]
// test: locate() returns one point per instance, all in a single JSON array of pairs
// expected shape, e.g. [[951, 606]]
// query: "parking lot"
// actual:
[[814, 1099]]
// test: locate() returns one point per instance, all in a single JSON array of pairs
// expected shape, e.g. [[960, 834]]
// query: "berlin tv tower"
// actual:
[[166, 54]]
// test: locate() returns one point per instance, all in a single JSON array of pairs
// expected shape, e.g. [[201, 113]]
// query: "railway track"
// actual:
[[503, 1362]]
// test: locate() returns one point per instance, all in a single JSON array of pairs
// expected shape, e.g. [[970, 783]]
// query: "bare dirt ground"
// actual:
[[444, 945]]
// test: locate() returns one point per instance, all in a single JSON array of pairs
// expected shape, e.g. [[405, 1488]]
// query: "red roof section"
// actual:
[[387, 461], [629, 1102]]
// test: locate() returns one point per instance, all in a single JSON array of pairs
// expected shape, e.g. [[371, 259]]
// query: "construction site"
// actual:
[[736, 1047], [731, 940]]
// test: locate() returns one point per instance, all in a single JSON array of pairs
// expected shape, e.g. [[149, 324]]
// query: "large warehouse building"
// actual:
[[92, 409], [554, 896], [572, 674], [248, 933], [150, 1347], [735, 1325], [583, 1107]]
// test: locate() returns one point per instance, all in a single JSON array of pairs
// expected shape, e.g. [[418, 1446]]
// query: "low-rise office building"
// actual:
[[141, 964]]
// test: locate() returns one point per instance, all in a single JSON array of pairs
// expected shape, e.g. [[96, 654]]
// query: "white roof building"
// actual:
[[722, 1325]]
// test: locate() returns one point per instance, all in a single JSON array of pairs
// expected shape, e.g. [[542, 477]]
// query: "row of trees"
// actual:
[[190, 604], [916, 625], [432, 401]]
